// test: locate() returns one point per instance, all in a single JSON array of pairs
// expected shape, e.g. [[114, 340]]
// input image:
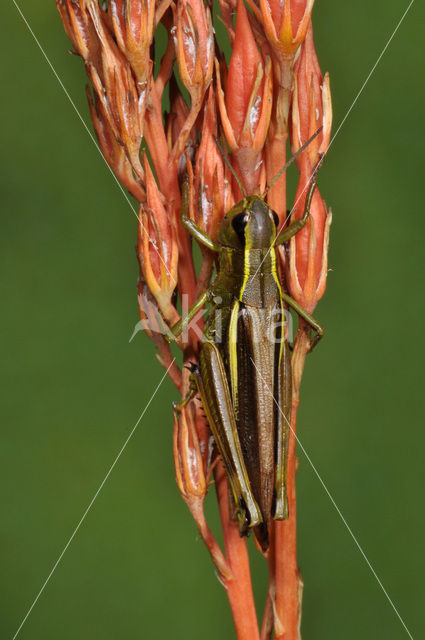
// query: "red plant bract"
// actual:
[[272, 87]]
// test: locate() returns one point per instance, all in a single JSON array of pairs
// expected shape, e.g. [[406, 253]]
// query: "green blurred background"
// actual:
[[73, 386]]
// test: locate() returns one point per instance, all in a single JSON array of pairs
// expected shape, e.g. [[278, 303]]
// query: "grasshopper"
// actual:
[[244, 371]]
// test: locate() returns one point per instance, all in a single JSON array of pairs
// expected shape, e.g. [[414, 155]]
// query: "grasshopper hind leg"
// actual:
[[214, 390], [283, 395]]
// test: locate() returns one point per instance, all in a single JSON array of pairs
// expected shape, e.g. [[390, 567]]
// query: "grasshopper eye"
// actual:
[[275, 218], [239, 223]]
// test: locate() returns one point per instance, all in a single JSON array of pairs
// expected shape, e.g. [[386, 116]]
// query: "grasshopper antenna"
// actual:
[[227, 161], [290, 161]]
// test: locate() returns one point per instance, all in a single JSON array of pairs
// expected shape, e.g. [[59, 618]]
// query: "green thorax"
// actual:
[[247, 267]]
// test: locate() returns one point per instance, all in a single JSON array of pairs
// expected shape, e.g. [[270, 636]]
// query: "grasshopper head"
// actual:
[[250, 224]]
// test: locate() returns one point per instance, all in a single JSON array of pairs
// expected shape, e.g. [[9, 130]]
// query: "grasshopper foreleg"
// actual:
[[298, 224], [190, 225]]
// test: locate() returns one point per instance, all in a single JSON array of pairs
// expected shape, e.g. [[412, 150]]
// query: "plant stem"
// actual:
[[239, 588], [286, 573]]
